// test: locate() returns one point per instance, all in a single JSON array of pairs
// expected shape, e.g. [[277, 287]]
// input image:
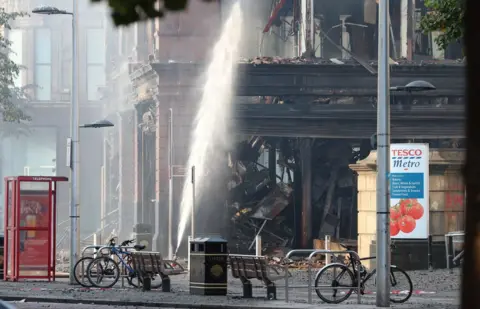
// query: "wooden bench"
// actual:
[[150, 264], [245, 267]]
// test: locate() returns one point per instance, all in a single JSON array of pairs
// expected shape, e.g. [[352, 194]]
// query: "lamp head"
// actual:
[[419, 85], [98, 124], [49, 10]]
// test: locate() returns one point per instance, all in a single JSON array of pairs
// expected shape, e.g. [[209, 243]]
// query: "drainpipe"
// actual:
[[308, 27], [404, 28], [345, 37]]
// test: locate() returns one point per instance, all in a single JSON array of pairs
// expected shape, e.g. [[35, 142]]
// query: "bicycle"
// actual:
[[79, 270], [351, 274], [105, 266]]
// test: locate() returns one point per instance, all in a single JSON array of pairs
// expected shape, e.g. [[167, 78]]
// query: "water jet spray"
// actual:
[[209, 135]]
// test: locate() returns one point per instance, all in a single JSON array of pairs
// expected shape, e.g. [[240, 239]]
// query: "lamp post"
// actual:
[[74, 115], [74, 142], [383, 157]]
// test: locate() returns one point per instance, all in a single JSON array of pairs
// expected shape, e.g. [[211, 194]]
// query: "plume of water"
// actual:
[[210, 130]]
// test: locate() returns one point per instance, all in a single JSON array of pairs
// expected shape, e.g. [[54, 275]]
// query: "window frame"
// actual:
[[41, 63], [92, 94]]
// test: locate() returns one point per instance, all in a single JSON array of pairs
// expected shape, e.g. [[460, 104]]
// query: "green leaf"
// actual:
[[126, 12], [12, 99], [446, 16]]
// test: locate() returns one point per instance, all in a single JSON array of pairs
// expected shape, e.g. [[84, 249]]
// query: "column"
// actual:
[[306, 167], [446, 208], [126, 166], [366, 205], [137, 193]]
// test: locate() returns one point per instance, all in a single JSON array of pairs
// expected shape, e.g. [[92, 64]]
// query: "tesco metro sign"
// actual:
[[407, 152], [406, 158]]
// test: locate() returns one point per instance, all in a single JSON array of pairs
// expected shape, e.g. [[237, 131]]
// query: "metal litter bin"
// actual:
[[208, 266]]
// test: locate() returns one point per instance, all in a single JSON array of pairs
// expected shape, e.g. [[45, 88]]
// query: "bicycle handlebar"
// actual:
[[125, 243]]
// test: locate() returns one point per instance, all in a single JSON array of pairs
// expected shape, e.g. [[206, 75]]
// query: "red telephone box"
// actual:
[[30, 227]]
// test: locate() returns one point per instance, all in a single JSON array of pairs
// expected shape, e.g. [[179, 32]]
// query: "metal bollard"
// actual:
[[327, 247], [429, 246], [286, 283], [258, 245], [188, 252], [309, 274]]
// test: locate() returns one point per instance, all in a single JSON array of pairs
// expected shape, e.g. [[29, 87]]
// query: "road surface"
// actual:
[[436, 289], [69, 306], [325, 306]]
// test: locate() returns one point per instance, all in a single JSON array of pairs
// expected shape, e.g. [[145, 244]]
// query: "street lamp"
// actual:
[[74, 141], [383, 169], [383, 152], [415, 86]]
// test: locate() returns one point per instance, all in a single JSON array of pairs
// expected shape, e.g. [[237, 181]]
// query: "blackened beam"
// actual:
[[347, 111], [316, 92], [313, 79], [349, 129], [306, 167], [347, 121]]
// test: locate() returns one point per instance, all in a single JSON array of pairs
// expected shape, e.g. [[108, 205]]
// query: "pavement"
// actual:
[[436, 289]]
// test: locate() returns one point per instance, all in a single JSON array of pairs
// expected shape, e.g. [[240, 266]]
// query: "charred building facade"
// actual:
[[304, 113]]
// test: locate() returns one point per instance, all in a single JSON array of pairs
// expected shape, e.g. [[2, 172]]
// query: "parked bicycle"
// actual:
[[80, 269], [104, 271], [345, 277]]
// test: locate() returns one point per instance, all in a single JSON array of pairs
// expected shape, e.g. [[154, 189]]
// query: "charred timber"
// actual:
[[348, 121], [313, 79], [348, 111]]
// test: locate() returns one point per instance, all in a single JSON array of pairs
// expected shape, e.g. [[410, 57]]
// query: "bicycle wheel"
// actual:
[[156, 282], [135, 280], [80, 271], [331, 276], [132, 278], [401, 285], [103, 272]]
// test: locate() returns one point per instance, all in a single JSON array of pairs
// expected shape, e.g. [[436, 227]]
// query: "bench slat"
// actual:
[[153, 263], [252, 267]]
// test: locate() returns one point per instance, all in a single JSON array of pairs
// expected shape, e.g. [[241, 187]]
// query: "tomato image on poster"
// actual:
[[409, 191]]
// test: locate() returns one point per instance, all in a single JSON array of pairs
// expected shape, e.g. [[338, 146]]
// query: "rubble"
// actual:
[[334, 61], [259, 205]]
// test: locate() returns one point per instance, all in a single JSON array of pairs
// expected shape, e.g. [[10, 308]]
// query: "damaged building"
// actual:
[[304, 113]]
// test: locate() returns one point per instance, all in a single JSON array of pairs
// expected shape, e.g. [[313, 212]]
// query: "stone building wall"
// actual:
[[446, 197]]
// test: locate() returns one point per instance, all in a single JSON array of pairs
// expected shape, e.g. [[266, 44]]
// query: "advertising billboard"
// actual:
[[409, 191]]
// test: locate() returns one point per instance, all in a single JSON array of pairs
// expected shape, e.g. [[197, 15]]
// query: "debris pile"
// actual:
[[260, 205]]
